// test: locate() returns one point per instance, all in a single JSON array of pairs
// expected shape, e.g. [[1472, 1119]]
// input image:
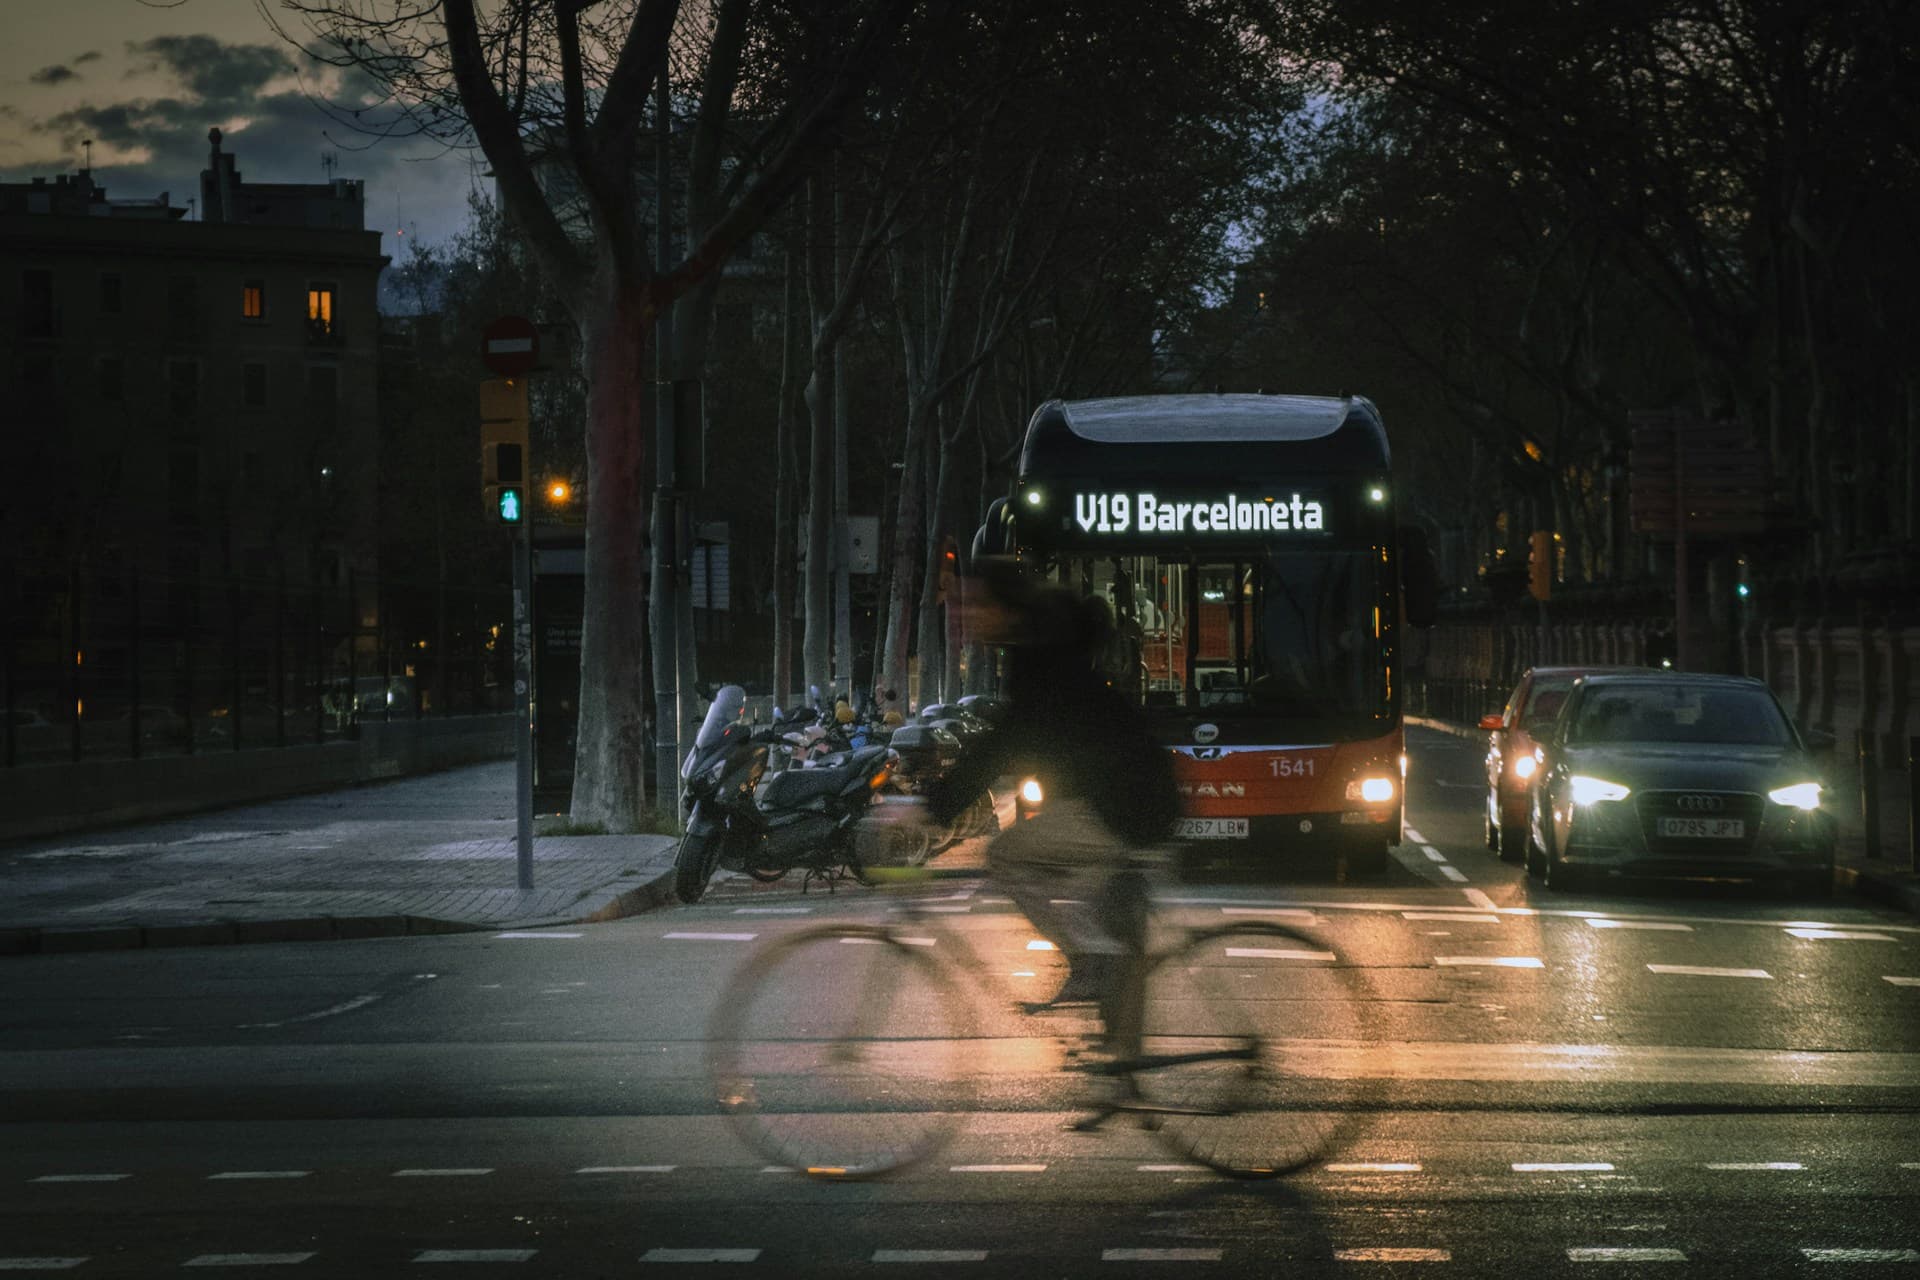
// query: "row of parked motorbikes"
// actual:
[[822, 791]]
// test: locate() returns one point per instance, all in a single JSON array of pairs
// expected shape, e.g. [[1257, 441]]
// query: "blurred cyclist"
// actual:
[[1107, 785]]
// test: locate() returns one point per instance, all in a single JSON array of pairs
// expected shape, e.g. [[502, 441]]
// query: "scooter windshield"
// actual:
[[726, 708]]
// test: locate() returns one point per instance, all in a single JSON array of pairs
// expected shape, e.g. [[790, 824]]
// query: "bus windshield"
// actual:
[[1293, 634]]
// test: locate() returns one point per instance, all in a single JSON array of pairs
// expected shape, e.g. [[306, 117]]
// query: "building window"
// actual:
[[320, 320], [112, 379], [253, 386], [183, 489], [323, 396], [253, 300], [183, 389], [36, 304], [110, 293], [183, 301]]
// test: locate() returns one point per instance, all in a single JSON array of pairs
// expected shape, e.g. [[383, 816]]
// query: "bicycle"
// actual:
[[850, 1064]]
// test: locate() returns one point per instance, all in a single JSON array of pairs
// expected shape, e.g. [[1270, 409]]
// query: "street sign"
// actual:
[[1718, 475], [510, 346]]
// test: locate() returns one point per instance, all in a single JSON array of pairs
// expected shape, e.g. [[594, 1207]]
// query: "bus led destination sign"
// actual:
[[1145, 513]]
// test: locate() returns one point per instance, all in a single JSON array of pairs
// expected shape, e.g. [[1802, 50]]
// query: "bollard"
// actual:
[[1913, 805], [1869, 791]]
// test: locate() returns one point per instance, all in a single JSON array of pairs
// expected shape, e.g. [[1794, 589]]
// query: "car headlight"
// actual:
[[1594, 790], [1801, 795], [1030, 791], [1371, 790], [1523, 767]]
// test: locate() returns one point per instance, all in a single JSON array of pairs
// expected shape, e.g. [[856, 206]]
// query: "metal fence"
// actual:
[[97, 665]]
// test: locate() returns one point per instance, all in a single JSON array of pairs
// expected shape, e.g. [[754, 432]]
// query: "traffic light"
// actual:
[[503, 448], [1540, 564]]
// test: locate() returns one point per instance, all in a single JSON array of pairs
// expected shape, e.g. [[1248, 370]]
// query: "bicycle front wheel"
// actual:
[[1231, 1063], [841, 1051]]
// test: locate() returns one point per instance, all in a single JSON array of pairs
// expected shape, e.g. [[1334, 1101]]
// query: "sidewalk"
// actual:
[[430, 854], [1888, 879]]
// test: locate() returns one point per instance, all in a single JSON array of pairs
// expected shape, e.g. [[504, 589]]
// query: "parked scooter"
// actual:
[[798, 817]]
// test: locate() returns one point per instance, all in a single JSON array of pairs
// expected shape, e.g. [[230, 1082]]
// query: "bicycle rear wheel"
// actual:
[[841, 1051], [1233, 1069]]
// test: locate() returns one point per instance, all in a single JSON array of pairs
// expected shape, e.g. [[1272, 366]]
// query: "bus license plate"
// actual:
[[1212, 829], [1704, 828]]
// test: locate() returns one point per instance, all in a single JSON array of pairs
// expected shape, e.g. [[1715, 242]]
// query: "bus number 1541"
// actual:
[[1292, 767]]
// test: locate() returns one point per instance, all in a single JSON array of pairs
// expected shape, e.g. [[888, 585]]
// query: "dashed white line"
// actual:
[[929, 1255], [1901, 982], [441, 1173], [949, 910], [1499, 962], [1571, 1166], [1433, 853], [82, 1177], [1840, 935], [331, 1011], [1277, 953], [1602, 922], [473, 1255], [1392, 1254], [772, 911], [1374, 1166], [1169, 1168], [712, 937], [628, 1168], [1414, 836], [247, 1260], [1041, 944], [1625, 1255], [1453, 873], [699, 1255], [998, 1168], [1462, 917], [1704, 971], [1755, 1166], [257, 1175], [911, 942], [1861, 1255], [535, 933], [40, 1264], [1160, 1255], [1480, 898]]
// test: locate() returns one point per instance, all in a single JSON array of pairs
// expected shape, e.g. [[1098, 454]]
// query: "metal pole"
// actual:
[[1680, 647], [523, 694], [1869, 791]]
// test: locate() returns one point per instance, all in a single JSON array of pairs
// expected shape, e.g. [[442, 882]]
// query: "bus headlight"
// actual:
[[1588, 791], [1371, 790], [1801, 795], [1523, 767]]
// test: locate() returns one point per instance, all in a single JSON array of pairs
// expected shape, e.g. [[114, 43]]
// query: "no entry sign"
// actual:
[[510, 345]]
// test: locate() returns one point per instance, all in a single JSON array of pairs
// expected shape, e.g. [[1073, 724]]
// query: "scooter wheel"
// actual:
[[767, 875]]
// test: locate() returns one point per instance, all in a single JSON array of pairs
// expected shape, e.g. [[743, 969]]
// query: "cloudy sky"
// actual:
[[146, 79]]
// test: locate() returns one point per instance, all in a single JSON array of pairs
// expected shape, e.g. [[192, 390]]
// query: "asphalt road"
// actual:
[[1702, 1076]]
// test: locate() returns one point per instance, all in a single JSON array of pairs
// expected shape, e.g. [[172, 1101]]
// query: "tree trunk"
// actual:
[[931, 631], [607, 782], [783, 522], [906, 535]]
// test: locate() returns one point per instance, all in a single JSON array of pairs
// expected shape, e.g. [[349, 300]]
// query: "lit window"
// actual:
[[253, 300], [320, 308]]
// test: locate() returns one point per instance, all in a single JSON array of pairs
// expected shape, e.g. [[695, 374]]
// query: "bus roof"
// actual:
[[1062, 432]]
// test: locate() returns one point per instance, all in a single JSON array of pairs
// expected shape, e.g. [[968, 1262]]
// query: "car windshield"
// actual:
[[1678, 712]]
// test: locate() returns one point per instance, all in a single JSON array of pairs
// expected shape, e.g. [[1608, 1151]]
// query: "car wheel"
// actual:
[[1493, 833], [1534, 855], [1560, 876], [1512, 846]]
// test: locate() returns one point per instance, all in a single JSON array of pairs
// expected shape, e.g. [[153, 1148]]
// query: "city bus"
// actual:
[[1260, 587]]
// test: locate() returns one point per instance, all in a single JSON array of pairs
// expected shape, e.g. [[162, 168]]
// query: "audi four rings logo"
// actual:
[[1702, 804]]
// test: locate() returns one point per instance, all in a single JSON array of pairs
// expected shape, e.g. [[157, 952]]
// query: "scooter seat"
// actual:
[[792, 787]]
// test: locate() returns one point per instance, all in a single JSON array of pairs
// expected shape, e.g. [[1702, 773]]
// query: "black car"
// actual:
[[1665, 774]]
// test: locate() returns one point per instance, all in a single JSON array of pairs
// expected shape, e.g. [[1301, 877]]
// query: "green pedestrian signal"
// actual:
[[511, 504]]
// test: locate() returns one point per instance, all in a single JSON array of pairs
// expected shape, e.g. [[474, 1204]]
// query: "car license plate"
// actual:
[[1704, 828], [1211, 829]]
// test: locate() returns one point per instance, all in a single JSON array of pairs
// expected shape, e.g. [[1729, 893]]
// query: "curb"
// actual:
[[1901, 893], [57, 940]]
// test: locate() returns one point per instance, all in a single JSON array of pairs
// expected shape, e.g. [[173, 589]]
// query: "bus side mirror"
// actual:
[[1419, 580]]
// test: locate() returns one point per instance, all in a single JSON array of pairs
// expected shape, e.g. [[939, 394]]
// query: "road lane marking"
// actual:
[[1169, 1168], [1414, 836], [1297, 913], [1433, 853], [535, 933], [1602, 922], [1481, 899], [1705, 971], [1160, 1255], [1462, 917], [1453, 873], [949, 910], [1755, 1166], [772, 911], [1041, 944], [1527, 912], [1392, 1255], [40, 1264], [262, 1175], [440, 1173], [82, 1177], [1862, 1255], [1498, 962], [247, 1260], [998, 1168], [929, 1255], [1840, 935], [1373, 1166], [1625, 1255], [473, 1255], [1277, 953], [712, 937], [1569, 1166], [699, 1255], [628, 1168], [1901, 982], [911, 942]]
